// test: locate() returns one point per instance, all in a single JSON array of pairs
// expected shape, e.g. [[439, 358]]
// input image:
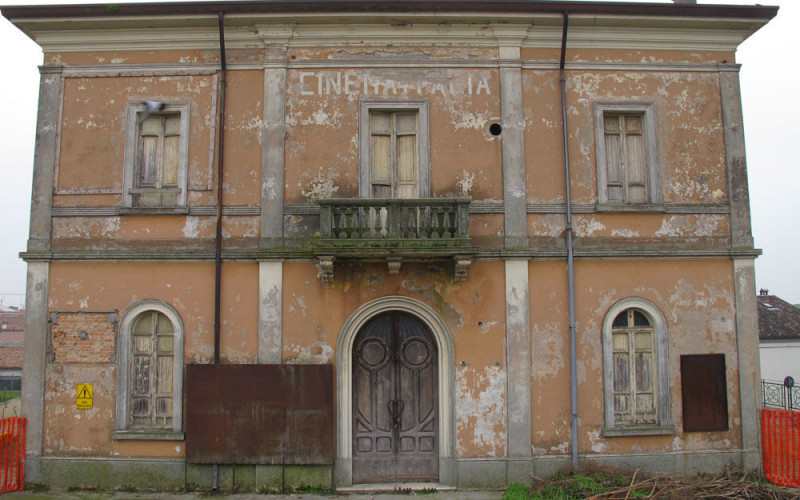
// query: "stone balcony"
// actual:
[[394, 231]]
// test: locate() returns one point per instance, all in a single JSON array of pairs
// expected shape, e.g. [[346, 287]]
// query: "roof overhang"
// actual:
[[251, 24]]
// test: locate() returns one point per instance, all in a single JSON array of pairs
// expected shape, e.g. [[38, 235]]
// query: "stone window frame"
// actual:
[[122, 430], [135, 114], [653, 170], [663, 424], [421, 106]]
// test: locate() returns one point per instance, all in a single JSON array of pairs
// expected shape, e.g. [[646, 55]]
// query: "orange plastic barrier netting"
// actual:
[[12, 454], [781, 445]]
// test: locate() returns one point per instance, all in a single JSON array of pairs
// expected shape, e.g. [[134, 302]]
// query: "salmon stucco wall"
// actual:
[[474, 312], [322, 128], [110, 287], [698, 304]]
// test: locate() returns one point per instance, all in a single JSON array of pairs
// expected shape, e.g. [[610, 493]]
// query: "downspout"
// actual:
[[218, 239], [570, 262], [220, 171]]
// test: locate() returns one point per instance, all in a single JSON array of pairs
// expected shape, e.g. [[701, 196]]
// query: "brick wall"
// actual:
[[82, 337]]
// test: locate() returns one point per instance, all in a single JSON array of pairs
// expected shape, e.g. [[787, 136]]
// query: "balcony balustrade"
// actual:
[[395, 230]]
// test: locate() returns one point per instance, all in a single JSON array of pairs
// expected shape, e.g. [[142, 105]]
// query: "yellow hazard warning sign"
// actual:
[[84, 397]]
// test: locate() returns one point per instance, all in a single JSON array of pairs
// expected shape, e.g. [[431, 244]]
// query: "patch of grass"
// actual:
[[517, 492], [426, 491], [314, 490], [36, 487], [6, 395]]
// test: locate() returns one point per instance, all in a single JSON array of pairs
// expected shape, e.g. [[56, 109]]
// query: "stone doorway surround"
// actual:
[[343, 473]]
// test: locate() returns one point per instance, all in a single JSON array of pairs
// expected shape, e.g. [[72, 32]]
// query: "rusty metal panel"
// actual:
[[259, 414], [704, 391], [309, 433]]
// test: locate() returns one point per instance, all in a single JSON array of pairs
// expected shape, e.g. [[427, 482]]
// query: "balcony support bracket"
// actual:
[[326, 268], [462, 262], [394, 264]]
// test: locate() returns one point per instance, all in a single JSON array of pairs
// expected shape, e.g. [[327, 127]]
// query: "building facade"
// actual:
[[334, 243], [779, 338]]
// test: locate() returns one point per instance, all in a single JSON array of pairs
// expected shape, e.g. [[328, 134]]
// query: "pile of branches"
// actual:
[[665, 487]]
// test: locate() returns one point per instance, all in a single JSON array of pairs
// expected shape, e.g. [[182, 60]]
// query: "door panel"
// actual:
[[395, 401]]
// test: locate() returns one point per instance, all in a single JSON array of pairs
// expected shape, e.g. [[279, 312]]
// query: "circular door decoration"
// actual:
[[416, 353], [373, 354]]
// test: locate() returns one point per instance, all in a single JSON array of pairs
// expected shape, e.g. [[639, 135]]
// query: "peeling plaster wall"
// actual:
[[474, 312], [188, 288], [102, 230], [93, 128], [117, 57], [244, 129], [697, 300], [322, 127], [321, 160], [689, 131], [689, 228]]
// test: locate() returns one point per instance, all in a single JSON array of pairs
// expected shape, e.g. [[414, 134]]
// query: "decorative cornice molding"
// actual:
[[594, 253], [508, 32], [201, 69], [476, 207]]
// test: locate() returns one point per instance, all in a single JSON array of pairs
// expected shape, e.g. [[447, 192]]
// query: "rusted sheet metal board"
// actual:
[[704, 392], [259, 414]]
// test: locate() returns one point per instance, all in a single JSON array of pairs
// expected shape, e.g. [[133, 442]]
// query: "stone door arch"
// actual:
[[445, 381]]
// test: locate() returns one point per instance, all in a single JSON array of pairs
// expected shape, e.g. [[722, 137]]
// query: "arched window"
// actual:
[[635, 369], [150, 373]]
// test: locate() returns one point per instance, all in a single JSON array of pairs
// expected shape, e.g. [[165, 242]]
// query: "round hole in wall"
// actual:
[[495, 129]]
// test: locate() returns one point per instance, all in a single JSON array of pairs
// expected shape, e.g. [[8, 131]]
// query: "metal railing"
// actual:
[[779, 395], [434, 222]]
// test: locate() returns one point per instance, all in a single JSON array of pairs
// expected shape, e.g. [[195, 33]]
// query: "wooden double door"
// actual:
[[395, 401]]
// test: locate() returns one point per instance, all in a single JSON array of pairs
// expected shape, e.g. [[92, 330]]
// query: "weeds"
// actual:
[[607, 484]]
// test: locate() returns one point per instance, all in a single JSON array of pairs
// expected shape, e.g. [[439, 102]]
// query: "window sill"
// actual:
[[641, 207], [147, 435], [639, 431], [154, 210]]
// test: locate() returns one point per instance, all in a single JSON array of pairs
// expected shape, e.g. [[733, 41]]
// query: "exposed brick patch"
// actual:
[[83, 337]]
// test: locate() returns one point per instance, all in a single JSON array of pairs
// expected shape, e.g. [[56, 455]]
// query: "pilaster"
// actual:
[[270, 312], [743, 268], [509, 40], [518, 367], [34, 368], [749, 363], [741, 232], [275, 40], [44, 158]]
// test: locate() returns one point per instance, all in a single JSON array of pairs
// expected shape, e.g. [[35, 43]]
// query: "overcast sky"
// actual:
[[771, 104]]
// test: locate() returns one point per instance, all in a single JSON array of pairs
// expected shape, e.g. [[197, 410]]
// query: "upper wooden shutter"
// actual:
[[394, 154]]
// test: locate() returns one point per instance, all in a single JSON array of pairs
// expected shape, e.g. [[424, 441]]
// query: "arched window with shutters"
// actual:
[[636, 381], [150, 373]]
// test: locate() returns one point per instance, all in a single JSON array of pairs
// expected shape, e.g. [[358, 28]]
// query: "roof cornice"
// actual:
[[539, 29], [124, 10]]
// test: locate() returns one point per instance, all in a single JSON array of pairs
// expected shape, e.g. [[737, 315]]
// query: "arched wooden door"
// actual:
[[395, 401]]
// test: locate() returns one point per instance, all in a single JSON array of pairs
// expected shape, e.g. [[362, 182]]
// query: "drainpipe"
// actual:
[[218, 239], [220, 170], [570, 262]]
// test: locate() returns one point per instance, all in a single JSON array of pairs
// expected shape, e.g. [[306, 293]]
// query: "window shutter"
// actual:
[[635, 159], [626, 158], [407, 156], [152, 371], [613, 158], [381, 154], [633, 369], [394, 154]]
